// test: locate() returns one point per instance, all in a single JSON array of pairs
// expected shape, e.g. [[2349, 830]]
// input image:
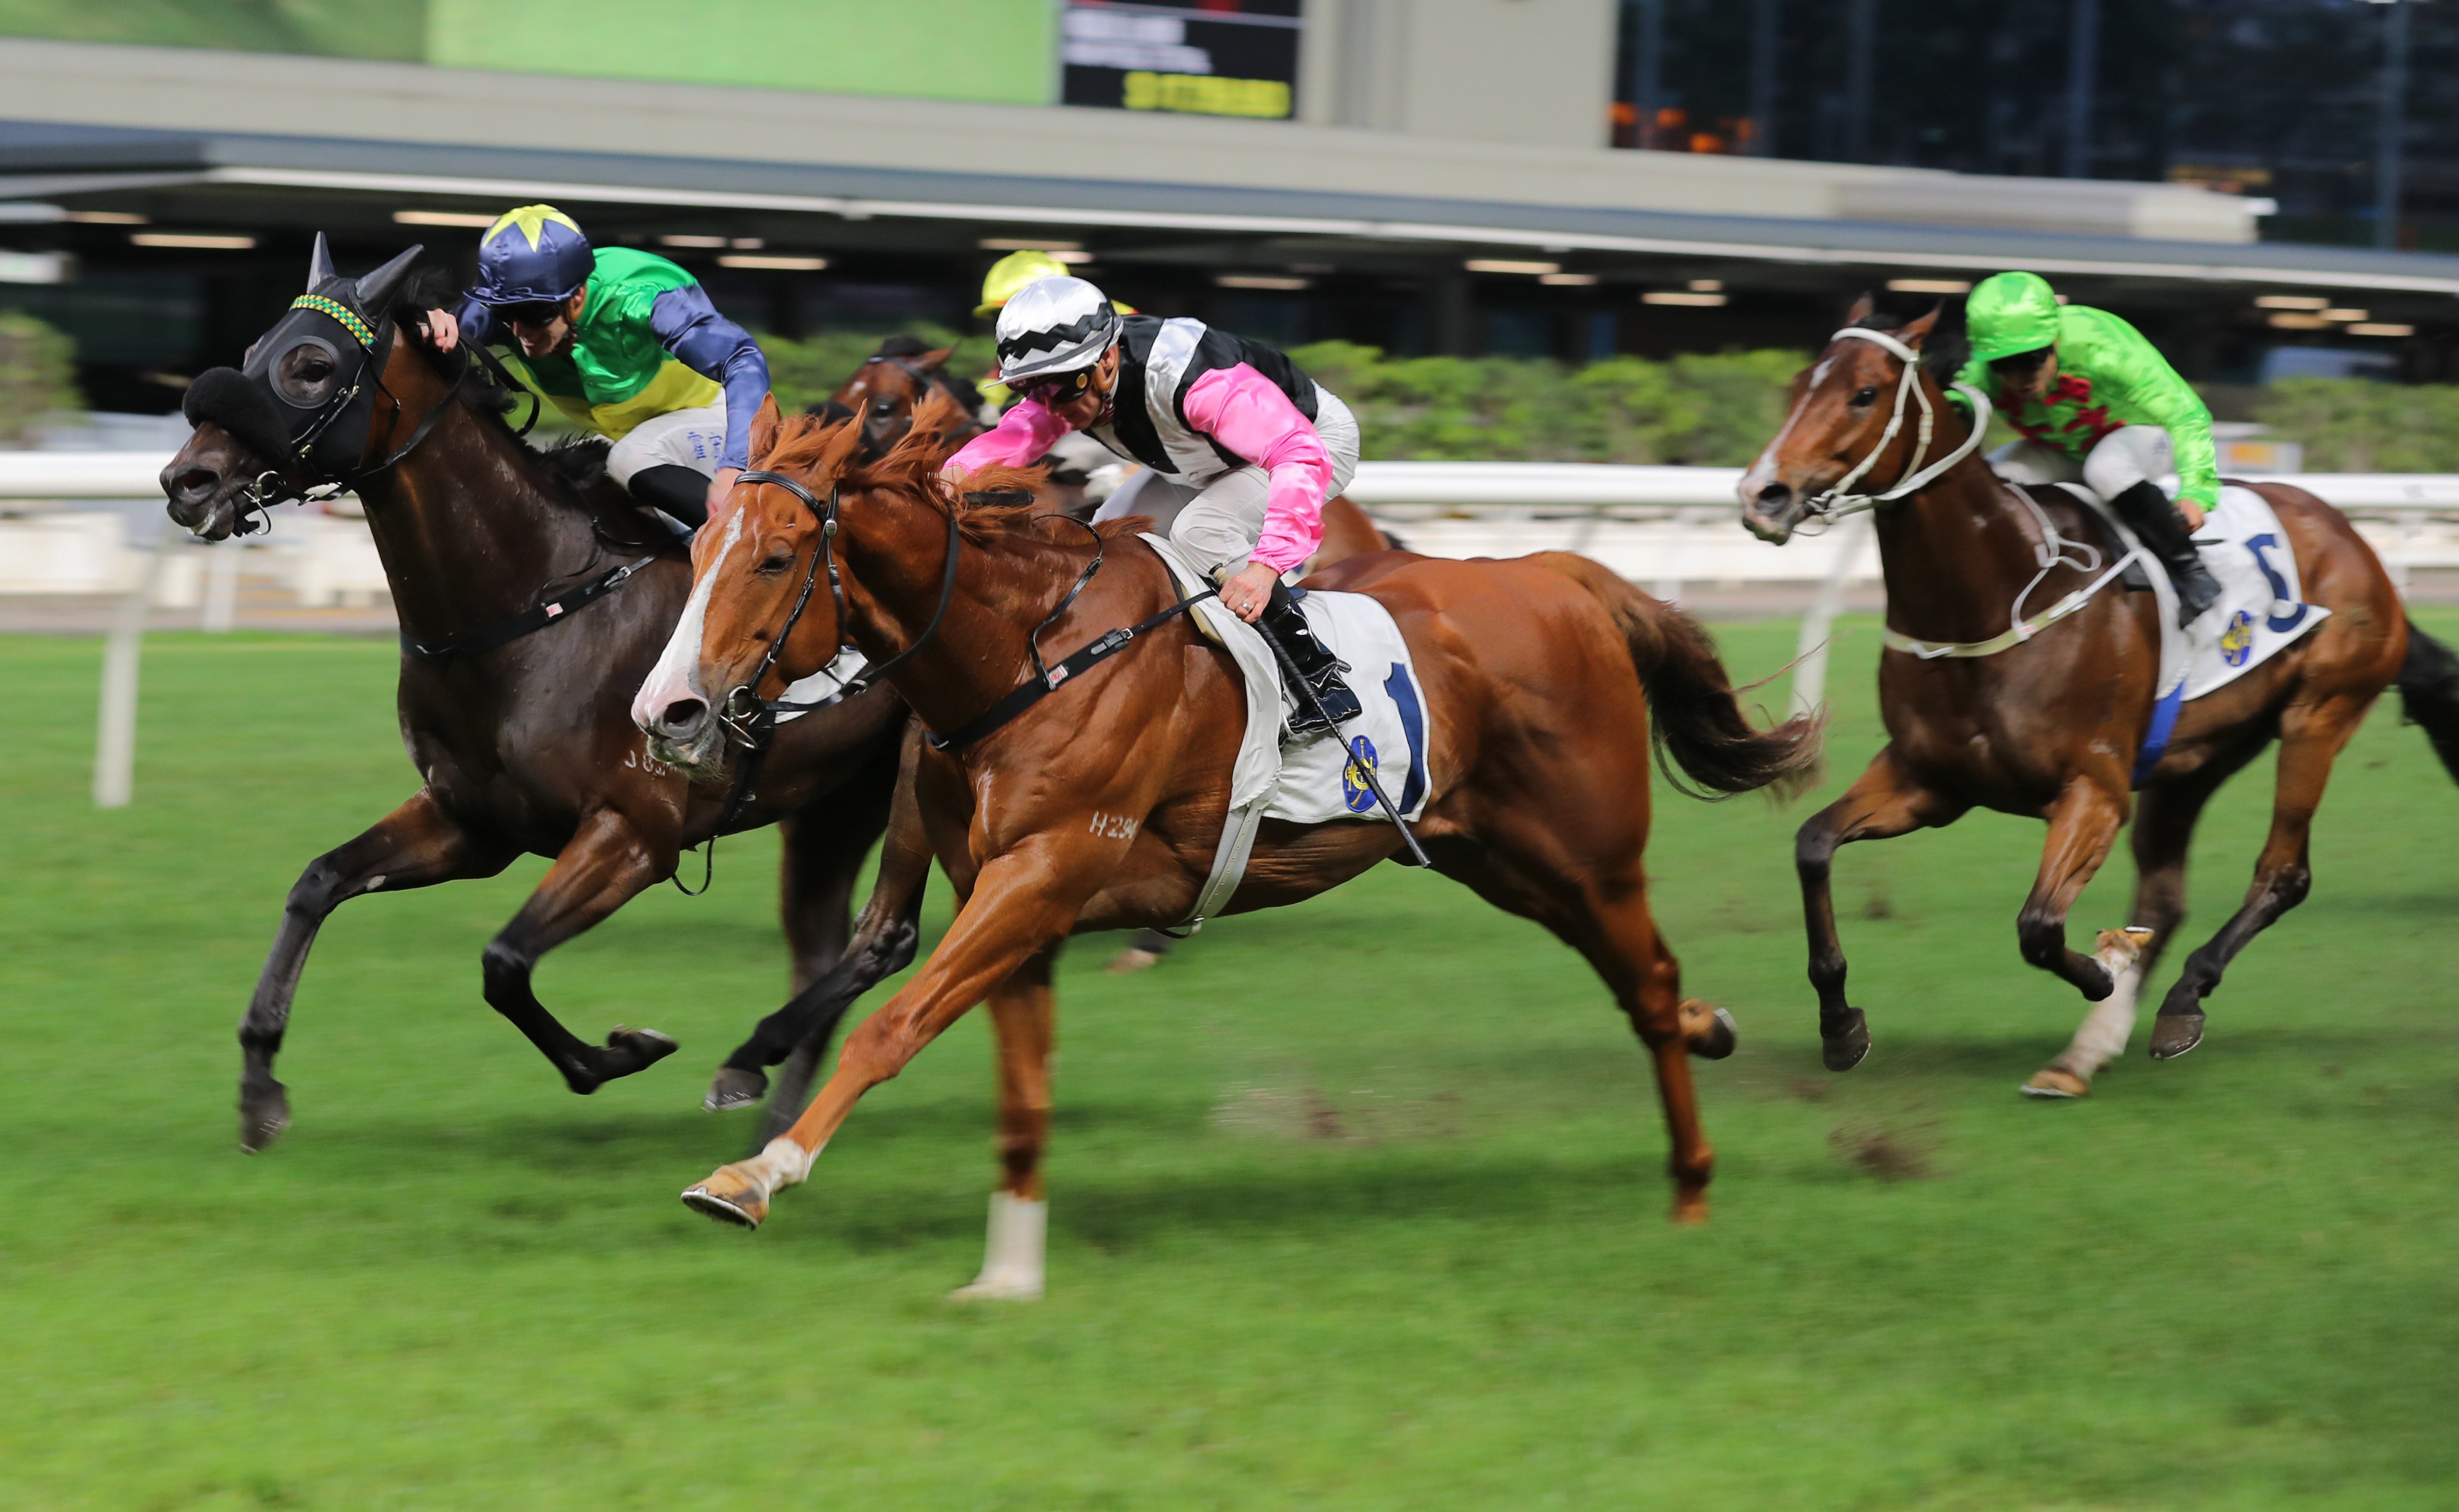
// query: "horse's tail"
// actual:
[[2428, 694], [1699, 726]]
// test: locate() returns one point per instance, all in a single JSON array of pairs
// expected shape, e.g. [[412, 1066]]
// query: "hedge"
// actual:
[[38, 377]]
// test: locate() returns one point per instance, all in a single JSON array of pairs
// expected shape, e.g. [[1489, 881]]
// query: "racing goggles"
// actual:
[[1057, 389], [538, 312]]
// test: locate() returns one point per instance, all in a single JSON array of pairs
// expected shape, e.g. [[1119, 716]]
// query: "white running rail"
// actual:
[[1659, 526]]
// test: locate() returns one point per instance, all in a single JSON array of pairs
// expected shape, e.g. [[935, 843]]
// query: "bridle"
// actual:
[[273, 485], [750, 718], [1839, 501]]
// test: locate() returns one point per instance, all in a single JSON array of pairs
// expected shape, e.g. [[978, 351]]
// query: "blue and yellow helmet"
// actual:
[[532, 256]]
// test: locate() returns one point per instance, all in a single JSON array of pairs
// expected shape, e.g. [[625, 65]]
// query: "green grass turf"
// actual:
[[1356, 1205]]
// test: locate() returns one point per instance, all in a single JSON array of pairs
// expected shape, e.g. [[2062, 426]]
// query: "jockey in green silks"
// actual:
[[625, 344], [2097, 405]]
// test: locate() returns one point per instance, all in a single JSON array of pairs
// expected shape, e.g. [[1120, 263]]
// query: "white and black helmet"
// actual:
[[1054, 326]]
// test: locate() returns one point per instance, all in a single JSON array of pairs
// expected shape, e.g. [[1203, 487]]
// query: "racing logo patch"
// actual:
[[1354, 791], [2237, 641]]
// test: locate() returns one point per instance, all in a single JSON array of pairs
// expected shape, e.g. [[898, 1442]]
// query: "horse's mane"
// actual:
[[996, 502]]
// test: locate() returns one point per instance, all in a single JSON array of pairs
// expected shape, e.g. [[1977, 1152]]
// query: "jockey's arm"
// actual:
[[1249, 414], [708, 343], [2129, 363], [1026, 432], [473, 322]]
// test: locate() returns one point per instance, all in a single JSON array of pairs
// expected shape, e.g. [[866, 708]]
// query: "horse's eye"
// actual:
[[882, 407], [775, 563], [1867, 396]]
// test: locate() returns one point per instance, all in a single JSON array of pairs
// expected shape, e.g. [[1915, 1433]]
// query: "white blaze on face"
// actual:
[[1763, 471], [673, 678]]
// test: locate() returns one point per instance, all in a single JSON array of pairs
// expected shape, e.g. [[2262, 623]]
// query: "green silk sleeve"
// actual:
[[1973, 372], [2150, 392]]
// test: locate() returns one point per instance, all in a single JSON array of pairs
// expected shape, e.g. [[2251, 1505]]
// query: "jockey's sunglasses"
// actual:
[[541, 313], [1053, 391]]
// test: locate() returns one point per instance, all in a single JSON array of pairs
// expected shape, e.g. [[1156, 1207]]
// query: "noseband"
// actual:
[[1838, 500], [751, 718]]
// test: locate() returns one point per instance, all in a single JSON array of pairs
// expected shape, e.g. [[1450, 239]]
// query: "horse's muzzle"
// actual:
[[1772, 513], [683, 732]]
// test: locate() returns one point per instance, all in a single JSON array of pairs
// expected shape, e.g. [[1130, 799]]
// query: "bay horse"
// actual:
[[1099, 807], [522, 742], [2050, 726]]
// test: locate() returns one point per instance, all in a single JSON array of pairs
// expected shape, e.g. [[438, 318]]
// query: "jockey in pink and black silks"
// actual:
[[1231, 434], [624, 342], [2097, 405]]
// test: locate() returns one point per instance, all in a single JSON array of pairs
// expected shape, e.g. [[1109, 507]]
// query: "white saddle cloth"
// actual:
[[1313, 779]]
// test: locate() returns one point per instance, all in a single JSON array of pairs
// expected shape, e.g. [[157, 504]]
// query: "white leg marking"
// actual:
[[2102, 1036], [782, 1164], [1011, 1259], [672, 677]]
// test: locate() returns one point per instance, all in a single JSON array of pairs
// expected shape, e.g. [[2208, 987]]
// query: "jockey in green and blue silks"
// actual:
[[627, 345], [2097, 405]]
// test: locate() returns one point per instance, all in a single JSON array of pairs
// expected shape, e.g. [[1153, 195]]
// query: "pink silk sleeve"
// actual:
[[1024, 433], [1246, 412]]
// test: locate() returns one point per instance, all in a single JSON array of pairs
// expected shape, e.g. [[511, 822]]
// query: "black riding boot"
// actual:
[[1285, 624], [680, 491], [2162, 528]]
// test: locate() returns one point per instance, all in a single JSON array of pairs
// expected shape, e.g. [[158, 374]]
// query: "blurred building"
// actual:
[[1426, 176]]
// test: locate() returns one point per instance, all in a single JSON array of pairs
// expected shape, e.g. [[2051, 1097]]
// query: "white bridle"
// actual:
[[1838, 500]]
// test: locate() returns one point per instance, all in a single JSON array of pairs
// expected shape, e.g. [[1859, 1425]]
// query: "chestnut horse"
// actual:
[[1100, 807], [530, 607], [2051, 725]]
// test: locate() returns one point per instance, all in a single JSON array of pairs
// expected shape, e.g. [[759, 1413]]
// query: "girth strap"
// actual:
[[527, 620]]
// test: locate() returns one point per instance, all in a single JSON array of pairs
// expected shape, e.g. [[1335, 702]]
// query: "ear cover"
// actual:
[[246, 409], [375, 291], [320, 265]]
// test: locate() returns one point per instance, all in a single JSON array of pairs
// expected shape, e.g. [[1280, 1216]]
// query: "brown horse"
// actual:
[[2051, 725], [1101, 805], [516, 720]]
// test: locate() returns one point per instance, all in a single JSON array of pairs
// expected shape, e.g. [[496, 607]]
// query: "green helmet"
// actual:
[[2009, 313]]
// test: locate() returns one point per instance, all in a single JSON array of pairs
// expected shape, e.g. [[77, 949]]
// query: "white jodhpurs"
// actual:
[[692, 438], [2128, 455], [1216, 523]]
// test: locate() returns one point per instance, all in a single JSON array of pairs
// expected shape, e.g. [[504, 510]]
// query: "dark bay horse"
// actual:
[[2050, 726], [522, 747], [1100, 807]]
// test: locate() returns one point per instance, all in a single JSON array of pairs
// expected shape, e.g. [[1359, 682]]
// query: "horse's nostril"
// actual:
[[1777, 494], [682, 716], [194, 485]]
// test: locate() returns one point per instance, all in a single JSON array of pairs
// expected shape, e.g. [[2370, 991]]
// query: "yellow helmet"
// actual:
[[1014, 272]]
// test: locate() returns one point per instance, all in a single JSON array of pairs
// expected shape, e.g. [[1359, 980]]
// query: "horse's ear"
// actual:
[[934, 361], [375, 291], [937, 414], [320, 264], [1862, 309], [764, 426], [1915, 332]]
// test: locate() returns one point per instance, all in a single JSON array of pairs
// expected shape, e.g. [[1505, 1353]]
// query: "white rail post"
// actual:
[[220, 610], [115, 741], [1810, 653]]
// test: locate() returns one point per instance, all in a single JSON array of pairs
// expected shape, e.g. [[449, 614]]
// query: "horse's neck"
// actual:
[[1956, 554], [468, 532], [895, 557]]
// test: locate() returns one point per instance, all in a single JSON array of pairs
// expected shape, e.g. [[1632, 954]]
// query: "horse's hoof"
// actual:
[[2054, 1082], [2173, 1035], [1690, 1208], [262, 1116], [1707, 1031], [645, 1047], [1131, 961], [734, 1088], [746, 1209], [1844, 1051]]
